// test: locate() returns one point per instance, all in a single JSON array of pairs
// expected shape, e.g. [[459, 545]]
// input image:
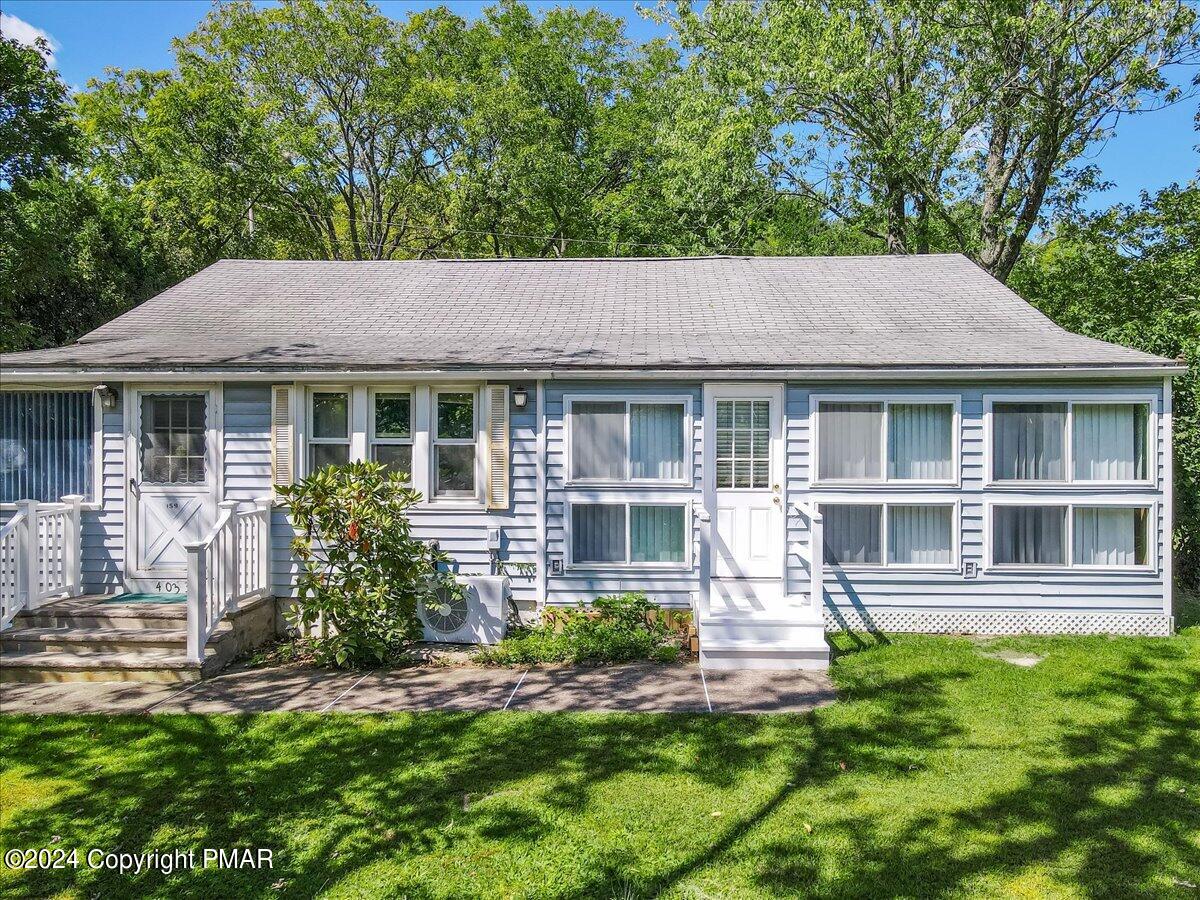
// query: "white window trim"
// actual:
[[1071, 400], [310, 420], [627, 500], [955, 400], [684, 400], [474, 501], [94, 499], [1071, 504], [372, 441], [887, 502]]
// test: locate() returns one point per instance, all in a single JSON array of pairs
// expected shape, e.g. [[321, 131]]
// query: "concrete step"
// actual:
[[147, 664], [105, 615], [778, 655], [130, 639]]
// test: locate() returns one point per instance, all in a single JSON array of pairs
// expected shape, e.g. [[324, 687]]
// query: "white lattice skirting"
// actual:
[[1010, 622]]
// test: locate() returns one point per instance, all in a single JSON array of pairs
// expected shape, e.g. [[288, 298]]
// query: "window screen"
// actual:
[[853, 533], [1029, 441], [173, 438], [850, 437], [1029, 535]]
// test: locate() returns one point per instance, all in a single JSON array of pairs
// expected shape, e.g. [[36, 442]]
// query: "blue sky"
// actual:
[[1147, 152]]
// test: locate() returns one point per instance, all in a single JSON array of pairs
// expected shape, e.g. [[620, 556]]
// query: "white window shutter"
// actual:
[[497, 446], [282, 442]]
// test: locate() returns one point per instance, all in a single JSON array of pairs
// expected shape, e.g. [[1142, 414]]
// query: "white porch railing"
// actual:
[[231, 564], [39, 555], [816, 553]]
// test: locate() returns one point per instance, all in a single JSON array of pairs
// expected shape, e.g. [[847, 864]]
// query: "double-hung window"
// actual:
[[47, 445], [629, 533], [455, 428], [391, 435], [329, 440], [1057, 535], [1070, 441], [886, 440], [891, 534], [617, 440]]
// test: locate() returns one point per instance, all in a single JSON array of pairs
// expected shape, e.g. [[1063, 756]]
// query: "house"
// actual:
[[787, 445]]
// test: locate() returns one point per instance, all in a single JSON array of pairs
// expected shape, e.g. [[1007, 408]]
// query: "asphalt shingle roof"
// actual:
[[719, 312]]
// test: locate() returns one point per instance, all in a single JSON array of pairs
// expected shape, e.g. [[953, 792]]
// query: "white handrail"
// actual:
[[39, 555], [816, 552], [229, 565]]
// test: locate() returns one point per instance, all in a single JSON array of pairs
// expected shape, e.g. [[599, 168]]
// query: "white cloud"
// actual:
[[24, 33]]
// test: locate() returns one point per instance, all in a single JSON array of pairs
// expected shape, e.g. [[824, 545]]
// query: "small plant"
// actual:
[[617, 628], [362, 573]]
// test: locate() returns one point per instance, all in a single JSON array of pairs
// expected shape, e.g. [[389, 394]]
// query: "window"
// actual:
[[915, 535], [628, 533], [743, 452], [46, 445], [391, 430], [885, 441], [1029, 535], [329, 443], [1109, 441], [626, 440], [454, 444], [1111, 536], [172, 439]]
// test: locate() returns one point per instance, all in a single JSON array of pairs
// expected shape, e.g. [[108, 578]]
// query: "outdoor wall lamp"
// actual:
[[520, 397], [108, 397]]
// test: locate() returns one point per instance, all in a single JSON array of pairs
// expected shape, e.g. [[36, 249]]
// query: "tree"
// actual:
[[1141, 268], [36, 132], [903, 115]]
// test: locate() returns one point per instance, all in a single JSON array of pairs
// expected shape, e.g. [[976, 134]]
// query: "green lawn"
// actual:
[[943, 771]]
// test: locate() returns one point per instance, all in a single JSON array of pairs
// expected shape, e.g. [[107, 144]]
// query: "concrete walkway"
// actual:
[[634, 687]]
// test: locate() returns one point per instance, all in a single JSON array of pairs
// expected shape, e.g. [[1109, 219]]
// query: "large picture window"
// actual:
[[629, 534], [1061, 535], [885, 440], [889, 534], [46, 445], [1108, 442], [616, 440]]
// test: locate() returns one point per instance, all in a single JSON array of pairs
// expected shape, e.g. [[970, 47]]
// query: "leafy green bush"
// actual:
[[362, 574], [617, 628]]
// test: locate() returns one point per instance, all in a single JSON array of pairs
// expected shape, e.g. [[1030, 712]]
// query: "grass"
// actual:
[[943, 771]]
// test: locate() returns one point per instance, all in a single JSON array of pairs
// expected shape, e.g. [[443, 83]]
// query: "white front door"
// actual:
[[173, 464], [744, 434]]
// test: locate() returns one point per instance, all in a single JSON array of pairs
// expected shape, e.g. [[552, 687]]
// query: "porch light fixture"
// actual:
[[520, 397], [108, 397]]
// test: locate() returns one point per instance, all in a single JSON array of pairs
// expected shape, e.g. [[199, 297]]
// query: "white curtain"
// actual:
[[919, 441], [850, 441], [1110, 441], [597, 532], [1028, 441], [1029, 535], [853, 534], [1110, 536], [920, 535], [656, 441], [598, 440], [656, 534]]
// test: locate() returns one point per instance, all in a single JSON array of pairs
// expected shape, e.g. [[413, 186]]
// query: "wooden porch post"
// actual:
[[73, 553], [28, 577], [196, 601], [263, 505]]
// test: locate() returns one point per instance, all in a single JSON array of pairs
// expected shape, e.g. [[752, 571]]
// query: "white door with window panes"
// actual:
[[173, 463], [744, 431]]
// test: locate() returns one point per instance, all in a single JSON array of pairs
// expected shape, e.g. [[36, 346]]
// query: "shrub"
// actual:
[[362, 574], [617, 628]]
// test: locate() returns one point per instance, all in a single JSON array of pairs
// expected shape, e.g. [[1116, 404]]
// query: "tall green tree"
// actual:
[[36, 131]]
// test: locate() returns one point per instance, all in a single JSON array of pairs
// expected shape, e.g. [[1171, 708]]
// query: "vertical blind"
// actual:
[[1110, 536], [45, 445], [920, 535], [853, 533], [656, 534], [656, 441], [597, 532], [919, 441], [598, 440], [1028, 441], [1029, 535], [850, 441], [1110, 441]]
